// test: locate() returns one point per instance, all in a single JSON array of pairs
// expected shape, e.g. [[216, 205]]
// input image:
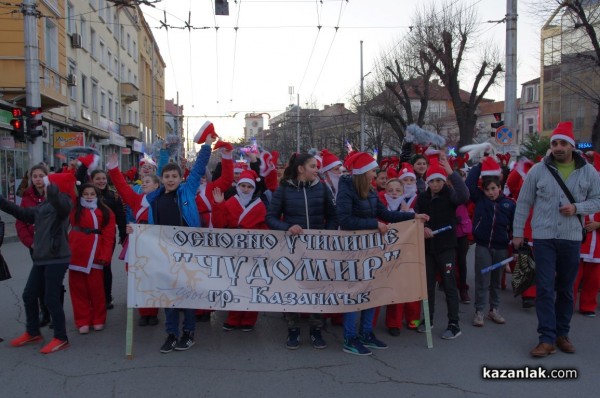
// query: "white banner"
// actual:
[[263, 270]]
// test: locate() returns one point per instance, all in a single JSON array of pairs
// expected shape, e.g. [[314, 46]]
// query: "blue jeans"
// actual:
[[366, 322], [557, 263], [172, 320], [47, 279]]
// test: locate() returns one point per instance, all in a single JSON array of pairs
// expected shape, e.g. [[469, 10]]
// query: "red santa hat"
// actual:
[[431, 154], [90, 161], [65, 182], [563, 131], [130, 174], [266, 163], [249, 177], [391, 173], [240, 166], [489, 167], [223, 144], [361, 162], [406, 170], [329, 161], [147, 160], [207, 129], [435, 171]]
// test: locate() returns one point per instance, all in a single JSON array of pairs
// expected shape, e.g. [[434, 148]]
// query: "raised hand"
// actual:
[[218, 195]]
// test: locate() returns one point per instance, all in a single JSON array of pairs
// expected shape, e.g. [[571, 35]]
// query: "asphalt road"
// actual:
[[256, 364]]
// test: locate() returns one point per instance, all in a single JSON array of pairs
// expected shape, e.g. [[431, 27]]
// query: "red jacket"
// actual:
[[590, 249], [136, 201], [205, 200], [91, 250], [231, 214], [24, 230]]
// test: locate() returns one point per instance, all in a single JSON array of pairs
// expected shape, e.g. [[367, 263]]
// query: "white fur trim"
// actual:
[[436, 175], [330, 166], [364, 169], [226, 155], [247, 181], [407, 174], [563, 137], [488, 173]]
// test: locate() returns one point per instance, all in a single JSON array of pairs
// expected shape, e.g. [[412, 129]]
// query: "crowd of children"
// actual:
[[458, 205]]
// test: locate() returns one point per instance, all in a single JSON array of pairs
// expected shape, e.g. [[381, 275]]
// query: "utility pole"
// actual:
[[510, 84], [298, 125], [32, 74], [362, 104]]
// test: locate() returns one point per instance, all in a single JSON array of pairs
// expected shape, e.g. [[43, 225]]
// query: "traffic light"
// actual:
[[33, 122], [17, 124], [495, 126]]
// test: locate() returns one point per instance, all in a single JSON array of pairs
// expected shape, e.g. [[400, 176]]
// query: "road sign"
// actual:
[[504, 135]]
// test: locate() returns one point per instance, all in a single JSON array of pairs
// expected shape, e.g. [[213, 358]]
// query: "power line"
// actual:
[[234, 52]]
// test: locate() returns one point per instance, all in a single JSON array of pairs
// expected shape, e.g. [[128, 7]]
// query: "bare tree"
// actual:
[[445, 35]]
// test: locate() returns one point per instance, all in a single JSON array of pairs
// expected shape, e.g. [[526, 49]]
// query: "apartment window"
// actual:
[[529, 125], [117, 112], [70, 21], [84, 89], [129, 119], [129, 76], [93, 48], [134, 49], [122, 37], [128, 44], [72, 89], [109, 20], [135, 120], [109, 61], [116, 67], [51, 44], [84, 32], [93, 4], [135, 80], [122, 75], [101, 8], [102, 103], [102, 51], [110, 106], [94, 95]]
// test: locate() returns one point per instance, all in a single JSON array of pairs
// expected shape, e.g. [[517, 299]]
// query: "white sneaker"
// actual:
[[478, 319], [495, 316]]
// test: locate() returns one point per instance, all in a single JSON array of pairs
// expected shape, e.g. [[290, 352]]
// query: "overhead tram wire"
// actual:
[[191, 73], [216, 47], [239, 7], [328, 51], [313, 47], [166, 26]]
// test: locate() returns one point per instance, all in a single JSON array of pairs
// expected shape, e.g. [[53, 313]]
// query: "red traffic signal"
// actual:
[[17, 124], [32, 112], [17, 113]]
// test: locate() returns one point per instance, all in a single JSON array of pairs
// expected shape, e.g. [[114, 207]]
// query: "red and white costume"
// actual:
[[204, 198], [394, 313], [139, 207], [589, 269], [91, 247], [233, 214]]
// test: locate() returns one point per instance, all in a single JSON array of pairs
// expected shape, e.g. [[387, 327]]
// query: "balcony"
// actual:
[[129, 93], [130, 131]]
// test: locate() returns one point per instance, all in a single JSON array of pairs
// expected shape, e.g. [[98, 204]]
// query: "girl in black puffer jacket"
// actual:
[[302, 202]]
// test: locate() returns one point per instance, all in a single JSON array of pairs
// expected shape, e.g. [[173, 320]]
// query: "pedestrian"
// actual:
[[493, 218], [557, 233], [300, 203], [245, 210], [51, 257], [174, 204], [92, 239], [419, 164], [138, 203], [439, 201], [32, 197], [359, 208]]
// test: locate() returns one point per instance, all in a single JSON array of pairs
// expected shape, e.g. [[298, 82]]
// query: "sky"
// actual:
[[222, 74]]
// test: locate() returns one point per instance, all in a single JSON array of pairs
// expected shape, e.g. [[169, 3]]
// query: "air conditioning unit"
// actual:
[[76, 40], [71, 80]]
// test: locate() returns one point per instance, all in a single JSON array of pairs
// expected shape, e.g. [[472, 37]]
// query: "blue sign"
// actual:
[[584, 145], [504, 135]]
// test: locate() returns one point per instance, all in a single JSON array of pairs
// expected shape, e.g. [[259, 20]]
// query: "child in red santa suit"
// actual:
[[588, 276], [91, 240], [245, 210], [399, 195], [139, 207]]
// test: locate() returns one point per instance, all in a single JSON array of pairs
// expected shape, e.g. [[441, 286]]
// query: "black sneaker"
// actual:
[[228, 327], [143, 321], [394, 331], [185, 342], [317, 339], [452, 332], [110, 304], [293, 339], [169, 344]]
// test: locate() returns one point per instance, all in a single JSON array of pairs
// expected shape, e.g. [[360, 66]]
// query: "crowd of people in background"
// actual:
[[74, 219]]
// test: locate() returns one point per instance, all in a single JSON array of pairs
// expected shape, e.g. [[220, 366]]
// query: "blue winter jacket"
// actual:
[[186, 192], [356, 214], [309, 205], [492, 220]]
